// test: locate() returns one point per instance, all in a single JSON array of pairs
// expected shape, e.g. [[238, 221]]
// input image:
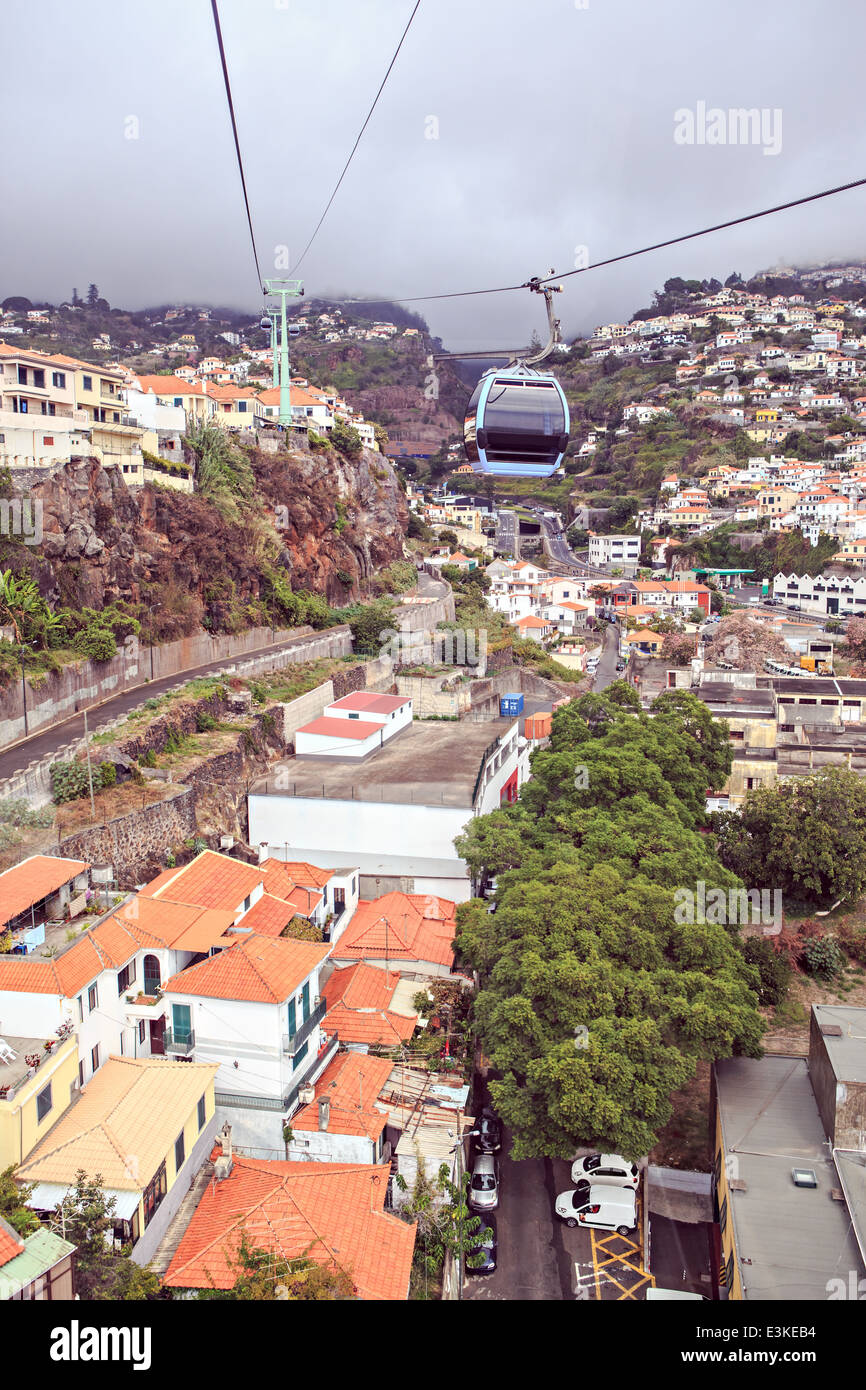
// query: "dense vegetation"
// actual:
[[595, 1003]]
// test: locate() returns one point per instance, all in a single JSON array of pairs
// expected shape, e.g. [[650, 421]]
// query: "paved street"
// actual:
[[607, 672], [507, 534]]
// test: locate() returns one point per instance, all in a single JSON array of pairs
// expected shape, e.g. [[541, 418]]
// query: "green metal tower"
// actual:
[[283, 290]]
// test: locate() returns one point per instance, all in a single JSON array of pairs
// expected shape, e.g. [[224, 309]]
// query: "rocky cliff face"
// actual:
[[333, 522]]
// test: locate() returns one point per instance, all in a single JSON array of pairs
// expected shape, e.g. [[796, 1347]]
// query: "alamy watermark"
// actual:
[[721, 907], [463, 647], [22, 517], [736, 126]]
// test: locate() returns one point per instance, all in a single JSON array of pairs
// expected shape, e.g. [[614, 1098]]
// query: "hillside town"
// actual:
[[432, 675]]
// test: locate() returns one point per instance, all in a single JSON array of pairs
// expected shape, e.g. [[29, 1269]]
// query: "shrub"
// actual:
[[346, 440], [107, 774], [773, 968], [148, 758], [853, 940], [204, 722], [69, 781], [823, 958], [95, 642]]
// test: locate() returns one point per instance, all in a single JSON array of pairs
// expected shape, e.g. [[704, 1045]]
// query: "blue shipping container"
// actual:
[[510, 705]]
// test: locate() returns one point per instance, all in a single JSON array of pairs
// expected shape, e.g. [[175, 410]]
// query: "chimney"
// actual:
[[324, 1113]]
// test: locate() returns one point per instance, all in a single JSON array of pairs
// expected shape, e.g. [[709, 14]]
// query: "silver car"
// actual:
[[484, 1183]]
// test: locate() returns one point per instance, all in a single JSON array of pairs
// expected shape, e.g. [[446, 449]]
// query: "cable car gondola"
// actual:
[[265, 322], [517, 422]]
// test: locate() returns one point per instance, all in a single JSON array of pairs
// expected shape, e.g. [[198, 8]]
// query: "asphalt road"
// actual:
[[561, 553], [47, 741], [607, 672], [507, 533]]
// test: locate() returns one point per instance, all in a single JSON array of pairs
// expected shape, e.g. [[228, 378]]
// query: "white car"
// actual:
[[605, 1170], [484, 1184], [606, 1208]]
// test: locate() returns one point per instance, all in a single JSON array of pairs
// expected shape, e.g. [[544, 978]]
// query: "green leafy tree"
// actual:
[[13, 1199], [266, 1276], [85, 1218], [445, 1223], [346, 439], [805, 837]]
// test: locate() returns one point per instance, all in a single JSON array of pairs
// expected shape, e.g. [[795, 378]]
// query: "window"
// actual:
[[81, 1008], [154, 1194], [178, 400], [38, 377], [43, 1102], [299, 1056], [22, 376], [125, 977], [141, 1030], [94, 1059], [293, 1022], [92, 998], [87, 383], [58, 379], [354, 716], [305, 1001], [80, 1074], [246, 906], [201, 1113], [179, 1152], [48, 439]]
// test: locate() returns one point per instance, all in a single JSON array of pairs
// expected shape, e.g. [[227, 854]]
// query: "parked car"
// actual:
[[606, 1208], [484, 1243], [489, 1137], [605, 1170], [484, 1183], [620, 666]]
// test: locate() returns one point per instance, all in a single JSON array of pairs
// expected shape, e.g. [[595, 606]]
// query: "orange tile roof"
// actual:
[[123, 1124], [268, 916], [210, 880], [299, 396], [261, 969], [328, 1212], [170, 386], [297, 871], [11, 1243], [417, 928], [33, 879], [357, 998], [352, 1082], [183, 926]]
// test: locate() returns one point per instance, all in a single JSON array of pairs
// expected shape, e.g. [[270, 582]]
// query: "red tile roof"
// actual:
[[298, 871], [357, 998], [33, 879], [401, 926], [341, 728], [268, 916], [210, 880], [371, 703], [261, 969], [328, 1212], [11, 1243], [352, 1083]]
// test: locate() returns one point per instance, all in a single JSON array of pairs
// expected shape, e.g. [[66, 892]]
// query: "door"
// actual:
[[181, 1022], [157, 1028]]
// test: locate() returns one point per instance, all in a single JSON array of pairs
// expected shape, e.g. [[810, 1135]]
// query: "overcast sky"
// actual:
[[555, 131]]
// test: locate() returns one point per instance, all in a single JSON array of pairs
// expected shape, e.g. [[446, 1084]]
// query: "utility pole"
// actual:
[[89, 767], [284, 289]]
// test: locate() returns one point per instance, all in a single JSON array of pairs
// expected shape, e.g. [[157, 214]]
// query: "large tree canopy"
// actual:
[[595, 1002], [805, 837]]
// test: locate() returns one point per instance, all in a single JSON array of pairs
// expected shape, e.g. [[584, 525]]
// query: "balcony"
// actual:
[[144, 1005], [321, 1061], [180, 1044], [292, 1044]]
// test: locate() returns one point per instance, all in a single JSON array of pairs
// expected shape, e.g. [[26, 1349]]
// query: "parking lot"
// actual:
[[542, 1259]]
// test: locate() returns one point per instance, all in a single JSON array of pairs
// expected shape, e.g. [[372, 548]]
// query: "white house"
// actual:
[[614, 550]]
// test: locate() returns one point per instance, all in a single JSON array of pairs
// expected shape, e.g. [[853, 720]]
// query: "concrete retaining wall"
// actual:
[[33, 782], [53, 697]]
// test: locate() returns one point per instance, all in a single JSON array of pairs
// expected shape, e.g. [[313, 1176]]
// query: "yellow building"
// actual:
[[766, 414], [29, 1106], [146, 1125], [775, 500]]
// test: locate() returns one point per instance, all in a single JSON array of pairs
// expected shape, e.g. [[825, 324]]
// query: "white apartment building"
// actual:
[[614, 550]]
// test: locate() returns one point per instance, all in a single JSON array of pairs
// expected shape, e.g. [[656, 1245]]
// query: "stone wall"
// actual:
[[429, 700], [134, 841]]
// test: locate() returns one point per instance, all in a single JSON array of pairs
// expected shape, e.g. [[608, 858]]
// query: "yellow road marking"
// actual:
[[630, 1250]]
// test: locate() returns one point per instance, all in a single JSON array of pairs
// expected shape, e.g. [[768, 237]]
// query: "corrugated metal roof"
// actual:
[[790, 1240]]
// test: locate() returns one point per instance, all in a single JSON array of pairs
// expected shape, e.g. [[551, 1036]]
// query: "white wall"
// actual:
[[332, 746]]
